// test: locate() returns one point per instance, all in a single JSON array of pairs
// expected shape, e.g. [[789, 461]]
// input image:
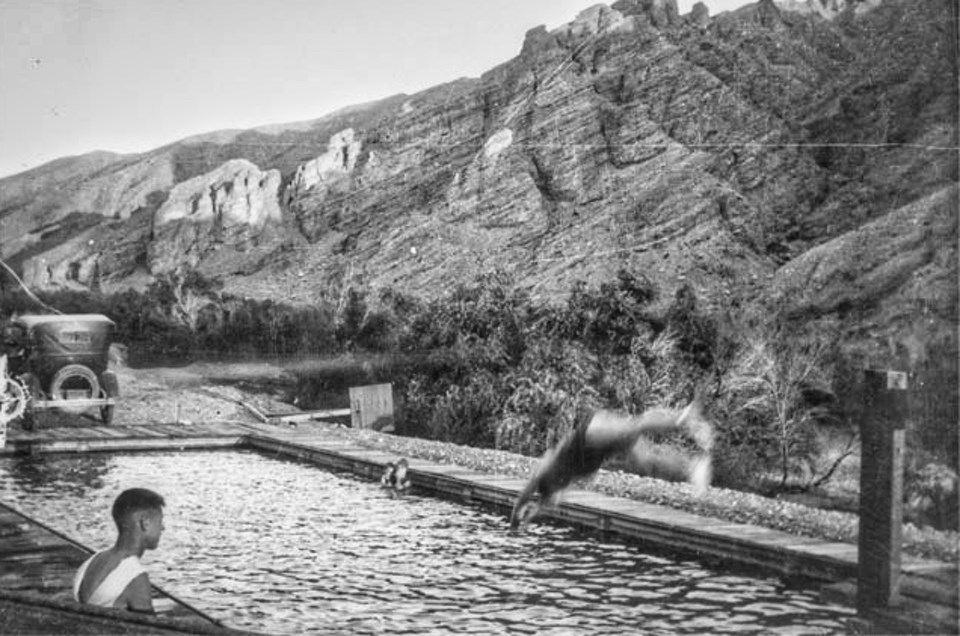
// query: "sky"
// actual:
[[132, 75]]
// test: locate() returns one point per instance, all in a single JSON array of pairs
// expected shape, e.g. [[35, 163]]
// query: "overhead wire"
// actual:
[[27, 289], [727, 144]]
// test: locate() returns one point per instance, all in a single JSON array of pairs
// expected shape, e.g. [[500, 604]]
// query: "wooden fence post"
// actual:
[[881, 489]]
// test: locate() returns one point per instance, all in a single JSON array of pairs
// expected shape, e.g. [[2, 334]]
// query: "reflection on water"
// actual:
[[76, 477], [284, 547]]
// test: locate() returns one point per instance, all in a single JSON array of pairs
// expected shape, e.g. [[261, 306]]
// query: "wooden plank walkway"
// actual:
[[124, 438], [929, 588]]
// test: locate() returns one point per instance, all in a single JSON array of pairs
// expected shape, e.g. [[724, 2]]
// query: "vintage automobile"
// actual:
[[61, 362]]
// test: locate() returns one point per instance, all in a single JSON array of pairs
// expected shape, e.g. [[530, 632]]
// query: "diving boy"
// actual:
[[605, 433]]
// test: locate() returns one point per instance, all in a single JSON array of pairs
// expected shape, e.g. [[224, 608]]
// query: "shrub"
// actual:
[[606, 319], [554, 380], [695, 333], [467, 413], [769, 426]]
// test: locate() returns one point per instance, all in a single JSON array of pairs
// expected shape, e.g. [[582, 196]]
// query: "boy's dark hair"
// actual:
[[134, 500]]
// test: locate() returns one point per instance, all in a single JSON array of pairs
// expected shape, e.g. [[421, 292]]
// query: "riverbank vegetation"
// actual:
[[491, 366]]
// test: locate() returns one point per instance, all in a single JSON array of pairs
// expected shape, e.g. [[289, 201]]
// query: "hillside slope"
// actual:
[[751, 154]]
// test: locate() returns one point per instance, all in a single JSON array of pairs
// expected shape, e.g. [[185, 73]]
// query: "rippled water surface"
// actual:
[[283, 547]]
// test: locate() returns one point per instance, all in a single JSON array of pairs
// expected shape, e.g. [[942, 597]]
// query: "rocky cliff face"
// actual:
[[803, 152], [226, 209]]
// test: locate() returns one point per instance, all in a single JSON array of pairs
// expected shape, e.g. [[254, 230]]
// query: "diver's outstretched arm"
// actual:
[[525, 499], [518, 515]]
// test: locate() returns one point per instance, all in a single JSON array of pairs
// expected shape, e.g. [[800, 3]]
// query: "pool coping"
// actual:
[[102, 618], [710, 540], [833, 564]]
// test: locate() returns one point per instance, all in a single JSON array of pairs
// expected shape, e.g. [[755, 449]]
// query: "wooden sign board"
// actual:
[[372, 407]]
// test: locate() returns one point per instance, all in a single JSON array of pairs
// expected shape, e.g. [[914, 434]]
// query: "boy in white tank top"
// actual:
[[115, 577]]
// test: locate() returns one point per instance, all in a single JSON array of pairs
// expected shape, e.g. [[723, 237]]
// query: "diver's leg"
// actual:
[[672, 464], [612, 432], [697, 426], [701, 474], [660, 461], [701, 431]]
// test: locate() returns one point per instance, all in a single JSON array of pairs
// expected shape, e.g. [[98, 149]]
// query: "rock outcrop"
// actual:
[[337, 162], [227, 209]]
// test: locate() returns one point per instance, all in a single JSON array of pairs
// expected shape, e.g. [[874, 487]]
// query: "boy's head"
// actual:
[[140, 510]]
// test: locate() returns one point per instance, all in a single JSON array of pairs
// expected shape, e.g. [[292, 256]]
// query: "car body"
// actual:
[[63, 362]]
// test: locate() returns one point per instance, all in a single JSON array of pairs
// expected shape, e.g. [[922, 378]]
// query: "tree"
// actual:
[[765, 394], [181, 296]]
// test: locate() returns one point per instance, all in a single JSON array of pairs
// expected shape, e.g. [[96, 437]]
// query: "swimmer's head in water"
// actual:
[[389, 474]]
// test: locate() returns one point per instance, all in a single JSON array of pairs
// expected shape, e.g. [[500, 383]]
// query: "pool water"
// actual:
[[281, 546]]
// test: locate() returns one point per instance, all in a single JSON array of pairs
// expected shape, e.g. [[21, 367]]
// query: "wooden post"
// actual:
[[372, 407], [881, 489]]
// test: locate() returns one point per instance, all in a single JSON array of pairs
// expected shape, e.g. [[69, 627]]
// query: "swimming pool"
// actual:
[[281, 546]]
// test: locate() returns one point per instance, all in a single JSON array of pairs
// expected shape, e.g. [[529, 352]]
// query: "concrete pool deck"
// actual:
[[929, 588]]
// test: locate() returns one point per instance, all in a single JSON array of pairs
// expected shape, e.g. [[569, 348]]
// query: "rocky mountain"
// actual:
[[802, 152]]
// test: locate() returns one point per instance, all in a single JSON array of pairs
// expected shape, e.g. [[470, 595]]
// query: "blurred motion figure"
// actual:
[[603, 434]]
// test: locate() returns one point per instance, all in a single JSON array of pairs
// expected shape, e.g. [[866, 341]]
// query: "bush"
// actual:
[[931, 494], [695, 333], [467, 413], [555, 379], [487, 366], [606, 319]]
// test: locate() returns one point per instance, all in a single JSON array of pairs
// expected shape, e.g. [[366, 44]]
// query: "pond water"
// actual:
[[281, 546]]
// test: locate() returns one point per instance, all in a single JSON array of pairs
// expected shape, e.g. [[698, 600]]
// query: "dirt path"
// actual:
[[201, 392]]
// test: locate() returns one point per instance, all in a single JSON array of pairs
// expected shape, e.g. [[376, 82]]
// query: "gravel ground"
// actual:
[[205, 393]]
